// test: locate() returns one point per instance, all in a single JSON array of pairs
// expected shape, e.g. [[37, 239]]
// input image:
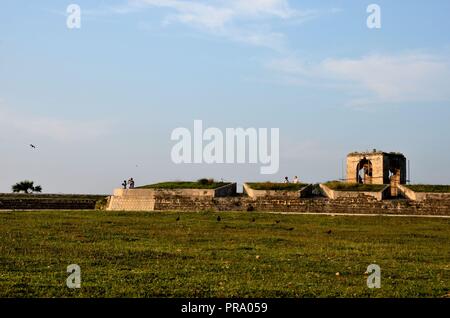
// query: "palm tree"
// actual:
[[26, 187]]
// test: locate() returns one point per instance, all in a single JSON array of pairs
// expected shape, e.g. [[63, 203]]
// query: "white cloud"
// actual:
[[237, 20], [408, 77], [243, 21], [402, 78], [216, 14], [194, 13], [13, 123], [278, 8]]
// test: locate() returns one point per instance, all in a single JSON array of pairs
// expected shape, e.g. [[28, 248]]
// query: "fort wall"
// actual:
[[9, 201], [357, 202], [362, 205], [438, 204]]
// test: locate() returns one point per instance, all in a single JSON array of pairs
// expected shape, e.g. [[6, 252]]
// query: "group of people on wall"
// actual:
[[129, 184], [295, 180]]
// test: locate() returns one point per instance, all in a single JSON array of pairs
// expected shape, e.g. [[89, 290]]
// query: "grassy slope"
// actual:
[[184, 185], [343, 186], [429, 188], [151, 254], [276, 186]]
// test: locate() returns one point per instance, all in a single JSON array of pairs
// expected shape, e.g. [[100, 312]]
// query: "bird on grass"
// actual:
[[290, 229], [253, 220], [219, 218], [329, 232], [178, 218], [277, 221]]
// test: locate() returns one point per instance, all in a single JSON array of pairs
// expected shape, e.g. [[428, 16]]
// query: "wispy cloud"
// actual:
[[244, 21], [61, 130], [374, 79], [217, 14]]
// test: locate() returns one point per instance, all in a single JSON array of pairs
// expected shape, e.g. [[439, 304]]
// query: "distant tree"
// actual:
[[205, 181], [26, 187]]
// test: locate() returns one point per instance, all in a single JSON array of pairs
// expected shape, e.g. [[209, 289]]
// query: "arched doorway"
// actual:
[[364, 171]]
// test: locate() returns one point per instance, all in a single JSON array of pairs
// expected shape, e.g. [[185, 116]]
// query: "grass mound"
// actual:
[[276, 186], [343, 186], [199, 184], [429, 188]]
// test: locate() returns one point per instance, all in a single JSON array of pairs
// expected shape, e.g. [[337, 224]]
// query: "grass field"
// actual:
[[153, 255]]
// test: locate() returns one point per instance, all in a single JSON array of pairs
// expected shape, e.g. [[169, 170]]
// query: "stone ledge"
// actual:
[[421, 196], [255, 194], [335, 194]]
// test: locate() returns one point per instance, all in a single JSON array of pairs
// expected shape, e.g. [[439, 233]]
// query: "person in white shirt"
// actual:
[[131, 183], [295, 180]]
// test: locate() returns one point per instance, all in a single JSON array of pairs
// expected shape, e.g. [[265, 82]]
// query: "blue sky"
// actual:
[[100, 102]]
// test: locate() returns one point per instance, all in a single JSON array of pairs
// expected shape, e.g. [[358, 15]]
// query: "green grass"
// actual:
[[139, 254], [429, 188], [344, 186], [276, 186], [185, 185]]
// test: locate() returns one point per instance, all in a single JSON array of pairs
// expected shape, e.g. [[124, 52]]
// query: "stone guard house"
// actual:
[[377, 167]]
